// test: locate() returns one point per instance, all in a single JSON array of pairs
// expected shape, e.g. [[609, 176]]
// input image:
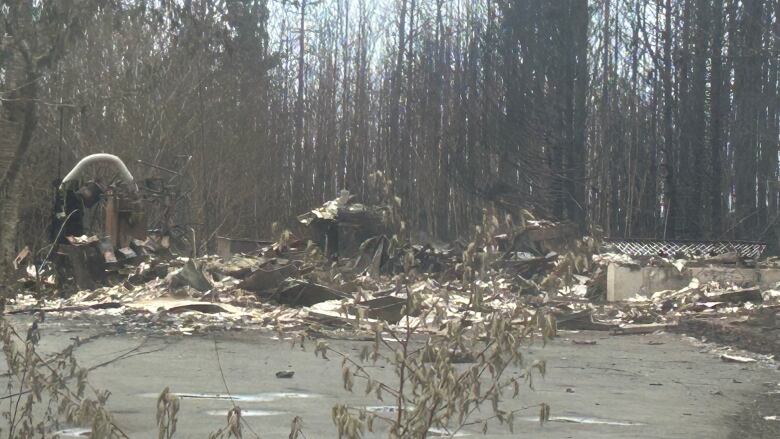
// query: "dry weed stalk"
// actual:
[[233, 427], [60, 383], [431, 391], [49, 382], [296, 428], [167, 409]]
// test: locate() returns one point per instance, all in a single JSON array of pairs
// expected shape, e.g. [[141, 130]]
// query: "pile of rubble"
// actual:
[[352, 270]]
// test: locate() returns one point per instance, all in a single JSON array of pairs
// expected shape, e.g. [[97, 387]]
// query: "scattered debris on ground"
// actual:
[[353, 271]]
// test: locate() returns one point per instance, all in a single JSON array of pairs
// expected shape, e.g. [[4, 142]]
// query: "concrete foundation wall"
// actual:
[[626, 282]]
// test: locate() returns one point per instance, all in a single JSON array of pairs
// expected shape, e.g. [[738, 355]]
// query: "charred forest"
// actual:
[[642, 118]]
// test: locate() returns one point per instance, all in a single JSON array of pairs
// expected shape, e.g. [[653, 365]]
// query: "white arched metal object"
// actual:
[[102, 158]]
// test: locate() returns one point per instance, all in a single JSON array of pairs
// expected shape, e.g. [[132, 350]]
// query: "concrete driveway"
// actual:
[[651, 386]]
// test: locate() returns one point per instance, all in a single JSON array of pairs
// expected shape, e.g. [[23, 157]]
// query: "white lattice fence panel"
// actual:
[[648, 247]]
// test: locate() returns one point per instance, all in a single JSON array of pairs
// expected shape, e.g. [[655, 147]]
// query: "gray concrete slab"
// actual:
[[621, 387], [624, 282]]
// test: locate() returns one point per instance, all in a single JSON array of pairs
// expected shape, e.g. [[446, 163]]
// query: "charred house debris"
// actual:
[[100, 229], [350, 267]]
